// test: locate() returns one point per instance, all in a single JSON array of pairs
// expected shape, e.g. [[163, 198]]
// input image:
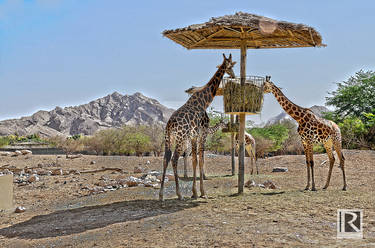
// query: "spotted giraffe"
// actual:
[[187, 150], [250, 147], [312, 129], [188, 124]]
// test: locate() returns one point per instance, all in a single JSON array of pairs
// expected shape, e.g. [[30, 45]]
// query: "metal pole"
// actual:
[[241, 134], [232, 145]]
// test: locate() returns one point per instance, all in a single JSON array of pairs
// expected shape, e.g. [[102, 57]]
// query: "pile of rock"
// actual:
[[150, 179], [16, 153]]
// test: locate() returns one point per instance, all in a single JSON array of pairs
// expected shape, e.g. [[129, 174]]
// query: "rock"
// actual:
[[33, 178], [155, 173], [151, 178], [101, 184], [170, 177], [93, 162], [148, 162], [279, 169], [96, 190], [5, 153], [20, 209], [26, 152], [42, 172], [16, 153], [160, 178], [74, 156], [269, 185], [138, 169], [57, 172], [250, 184], [133, 181]]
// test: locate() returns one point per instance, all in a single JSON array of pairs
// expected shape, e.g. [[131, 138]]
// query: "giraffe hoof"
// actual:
[[194, 196], [307, 188], [344, 189], [313, 189], [203, 196], [324, 188]]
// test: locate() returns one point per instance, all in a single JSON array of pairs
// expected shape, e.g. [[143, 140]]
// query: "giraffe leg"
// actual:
[[201, 163], [248, 149], [337, 146], [307, 155], [328, 147], [194, 163], [167, 158], [175, 157], [312, 174], [185, 164]]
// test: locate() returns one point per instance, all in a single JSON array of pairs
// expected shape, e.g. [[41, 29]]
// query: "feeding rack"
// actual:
[[243, 99]]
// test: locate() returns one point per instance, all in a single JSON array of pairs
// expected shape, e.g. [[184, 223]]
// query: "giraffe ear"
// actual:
[[230, 57], [224, 56]]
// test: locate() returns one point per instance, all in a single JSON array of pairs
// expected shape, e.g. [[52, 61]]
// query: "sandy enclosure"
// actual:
[[62, 212]]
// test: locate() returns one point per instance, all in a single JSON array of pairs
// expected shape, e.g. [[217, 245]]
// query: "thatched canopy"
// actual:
[[226, 32]]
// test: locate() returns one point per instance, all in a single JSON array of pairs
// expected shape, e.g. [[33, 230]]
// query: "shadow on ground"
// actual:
[[66, 222]]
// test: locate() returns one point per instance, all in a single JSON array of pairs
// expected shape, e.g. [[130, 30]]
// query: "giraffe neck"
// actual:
[[295, 111], [204, 97]]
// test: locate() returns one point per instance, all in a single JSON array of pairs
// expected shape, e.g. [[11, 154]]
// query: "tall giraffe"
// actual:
[[312, 129], [250, 147], [187, 150], [188, 124]]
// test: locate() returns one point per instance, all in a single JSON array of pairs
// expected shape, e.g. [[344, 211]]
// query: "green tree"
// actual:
[[355, 96], [276, 133]]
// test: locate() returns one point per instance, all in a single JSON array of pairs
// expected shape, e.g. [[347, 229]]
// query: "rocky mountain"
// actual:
[[318, 110], [114, 110]]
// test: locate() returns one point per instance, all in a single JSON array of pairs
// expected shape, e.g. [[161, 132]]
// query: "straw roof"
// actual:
[[226, 32]]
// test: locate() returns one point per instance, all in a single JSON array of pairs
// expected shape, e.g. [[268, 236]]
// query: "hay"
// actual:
[[243, 99], [227, 32]]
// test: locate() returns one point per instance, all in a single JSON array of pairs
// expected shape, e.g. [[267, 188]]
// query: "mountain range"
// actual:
[[114, 110]]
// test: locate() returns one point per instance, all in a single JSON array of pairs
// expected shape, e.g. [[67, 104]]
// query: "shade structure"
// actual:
[[228, 31], [244, 31]]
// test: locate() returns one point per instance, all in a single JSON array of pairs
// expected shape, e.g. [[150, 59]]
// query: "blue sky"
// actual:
[[67, 52]]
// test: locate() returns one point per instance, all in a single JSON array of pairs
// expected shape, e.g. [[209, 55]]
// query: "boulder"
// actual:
[[33, 178], [20, 209], [250, 184], [26, 152], [57, 172], [269, 185], [279, 169]]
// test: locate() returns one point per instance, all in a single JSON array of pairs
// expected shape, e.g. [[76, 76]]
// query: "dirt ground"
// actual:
[[60, 211]]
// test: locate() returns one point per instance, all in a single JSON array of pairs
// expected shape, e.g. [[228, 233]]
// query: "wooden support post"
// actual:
[[233, 145], [241, 134]]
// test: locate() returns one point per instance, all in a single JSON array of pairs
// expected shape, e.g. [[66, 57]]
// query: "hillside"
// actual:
[[114, 110]]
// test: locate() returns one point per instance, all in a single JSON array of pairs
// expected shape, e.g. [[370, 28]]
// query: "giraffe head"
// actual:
[[268, 87], [228, 65]]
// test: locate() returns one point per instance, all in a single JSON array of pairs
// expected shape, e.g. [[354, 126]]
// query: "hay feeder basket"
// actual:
[[247, 98]]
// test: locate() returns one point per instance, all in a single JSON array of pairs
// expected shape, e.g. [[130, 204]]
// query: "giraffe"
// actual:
[[188, 124], [187, 150], [250, 148], [312, 129]]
